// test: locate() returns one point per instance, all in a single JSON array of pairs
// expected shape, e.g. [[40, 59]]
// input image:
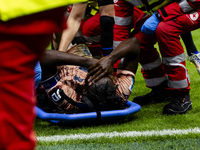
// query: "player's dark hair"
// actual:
[[104, 97], [100, 97]]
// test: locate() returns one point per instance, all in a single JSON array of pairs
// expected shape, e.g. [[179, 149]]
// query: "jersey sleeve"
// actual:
[[178, 8]]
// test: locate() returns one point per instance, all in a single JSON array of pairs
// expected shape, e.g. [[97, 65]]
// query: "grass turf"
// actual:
[[169, 144]]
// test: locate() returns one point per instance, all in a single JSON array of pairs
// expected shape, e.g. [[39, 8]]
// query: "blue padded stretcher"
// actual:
[[89, 116]]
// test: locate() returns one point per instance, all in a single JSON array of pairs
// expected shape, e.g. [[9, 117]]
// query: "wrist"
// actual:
[[112, 59], [91, 61]]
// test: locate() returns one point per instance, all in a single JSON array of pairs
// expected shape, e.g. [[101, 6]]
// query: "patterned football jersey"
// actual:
[[72, 80]]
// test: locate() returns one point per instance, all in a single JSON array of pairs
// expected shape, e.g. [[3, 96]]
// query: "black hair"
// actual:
[[104, 97], [45, 102]]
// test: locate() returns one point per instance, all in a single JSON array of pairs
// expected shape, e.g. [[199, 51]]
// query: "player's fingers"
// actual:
[[93, 70], [96, 77], [93, 76], [92, 67], [99, 77]]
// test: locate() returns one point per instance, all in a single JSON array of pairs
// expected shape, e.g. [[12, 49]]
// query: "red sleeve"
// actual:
[[178, 8], [170, 11]]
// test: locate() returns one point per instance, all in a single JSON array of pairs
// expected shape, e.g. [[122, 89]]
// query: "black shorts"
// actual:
[[104, 2]]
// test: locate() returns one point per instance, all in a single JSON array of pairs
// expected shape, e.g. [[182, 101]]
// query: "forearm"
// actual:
[[128, 47], [56, 58], [68, 35], [104, 67], [73, 24]]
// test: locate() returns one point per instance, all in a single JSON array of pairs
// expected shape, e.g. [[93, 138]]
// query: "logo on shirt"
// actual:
[[194, 16], [115, 1]]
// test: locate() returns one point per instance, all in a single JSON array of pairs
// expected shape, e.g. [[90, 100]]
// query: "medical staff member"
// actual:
[[26, 27]]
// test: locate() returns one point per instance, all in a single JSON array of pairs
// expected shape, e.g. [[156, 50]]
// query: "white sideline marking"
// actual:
[[56, 138]]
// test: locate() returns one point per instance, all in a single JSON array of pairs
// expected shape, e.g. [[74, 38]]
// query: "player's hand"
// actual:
[[150, 25], [101, 69]]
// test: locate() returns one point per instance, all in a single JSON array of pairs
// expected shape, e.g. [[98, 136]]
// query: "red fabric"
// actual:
[[147, 49], [17, 90], [115, 66], [22, 42], [169, 41], [138, 22], [123, 9], [120, 7], [136, 14], [195, 4], [173, 10], [91, 27], [149, 54], [95, 49], [121, 33], [168, 33], [38, 23]]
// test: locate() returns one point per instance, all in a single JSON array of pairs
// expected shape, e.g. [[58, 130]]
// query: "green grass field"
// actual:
[[146, 129]]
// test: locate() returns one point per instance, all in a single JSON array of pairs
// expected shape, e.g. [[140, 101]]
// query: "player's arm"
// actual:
[[57, 58], [73, 24], [129, 48], [54, 58]]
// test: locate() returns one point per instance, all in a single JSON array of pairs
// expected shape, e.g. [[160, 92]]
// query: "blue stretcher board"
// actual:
[[89, 116]]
